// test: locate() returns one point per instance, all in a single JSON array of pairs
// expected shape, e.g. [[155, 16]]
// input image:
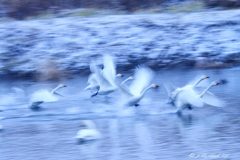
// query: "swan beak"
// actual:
[[132, 77], [64, 85], [215, 83], [155, 85], [121, 75], [205, 76]]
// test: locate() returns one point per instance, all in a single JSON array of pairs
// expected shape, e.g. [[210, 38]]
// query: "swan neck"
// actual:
[[145, 90], [55, 89], [198, 82], [201, 95], [124, 81], [91, 126]]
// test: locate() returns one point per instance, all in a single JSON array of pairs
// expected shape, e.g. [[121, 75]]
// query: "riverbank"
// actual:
[[51, 48]]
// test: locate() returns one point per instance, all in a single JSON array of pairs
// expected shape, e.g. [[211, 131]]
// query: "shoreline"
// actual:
[[65, 46]]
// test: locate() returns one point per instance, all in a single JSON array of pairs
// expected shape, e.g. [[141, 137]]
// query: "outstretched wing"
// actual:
[[212, 100], [109, 70], [169, 88], [92, 81], [143, 77]]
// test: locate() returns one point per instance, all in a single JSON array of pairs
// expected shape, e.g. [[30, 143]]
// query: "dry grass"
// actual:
[[48, 70], [186, 7]]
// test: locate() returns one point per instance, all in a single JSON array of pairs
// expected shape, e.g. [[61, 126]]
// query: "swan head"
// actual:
[[119, 75], [62, 85], [131, 77], [87, 124], [215, 83], [154, 85], [204, 77]]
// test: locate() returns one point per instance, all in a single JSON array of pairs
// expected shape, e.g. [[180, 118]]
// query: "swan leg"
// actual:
[[170, 101], [94, 94], [80, 141], [136, 105], [35, 105], [179, 112], [190, 107]]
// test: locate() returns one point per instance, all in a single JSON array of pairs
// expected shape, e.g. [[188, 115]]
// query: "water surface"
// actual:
[[151, 131]]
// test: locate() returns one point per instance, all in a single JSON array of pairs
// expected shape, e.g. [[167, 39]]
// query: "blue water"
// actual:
[[151, 131]]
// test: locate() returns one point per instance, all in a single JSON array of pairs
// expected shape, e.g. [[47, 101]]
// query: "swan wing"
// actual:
[[169, 88], [109, 70], [92, 78], [212, 100], [209, 98], [143, 77], [125, 91], [92, 81], [101, 80]]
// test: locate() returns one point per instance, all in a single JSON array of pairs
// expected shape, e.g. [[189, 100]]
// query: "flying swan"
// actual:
[[140, 85], [105, 79], [45, 96]]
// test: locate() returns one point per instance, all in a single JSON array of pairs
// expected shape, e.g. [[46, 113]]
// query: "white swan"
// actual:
[[89, 132], [189, 97], [106, 78], [173, 91], [142, 78], [45, 96]]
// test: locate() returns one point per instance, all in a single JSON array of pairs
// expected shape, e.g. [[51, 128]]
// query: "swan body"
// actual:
[[90, 132], [140, 85], [45, 96], [189, 97]]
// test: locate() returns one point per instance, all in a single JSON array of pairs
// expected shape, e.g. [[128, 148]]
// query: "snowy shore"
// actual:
[[66, 45]]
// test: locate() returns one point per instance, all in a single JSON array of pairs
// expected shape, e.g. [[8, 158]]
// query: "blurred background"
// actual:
[[44, 43]]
